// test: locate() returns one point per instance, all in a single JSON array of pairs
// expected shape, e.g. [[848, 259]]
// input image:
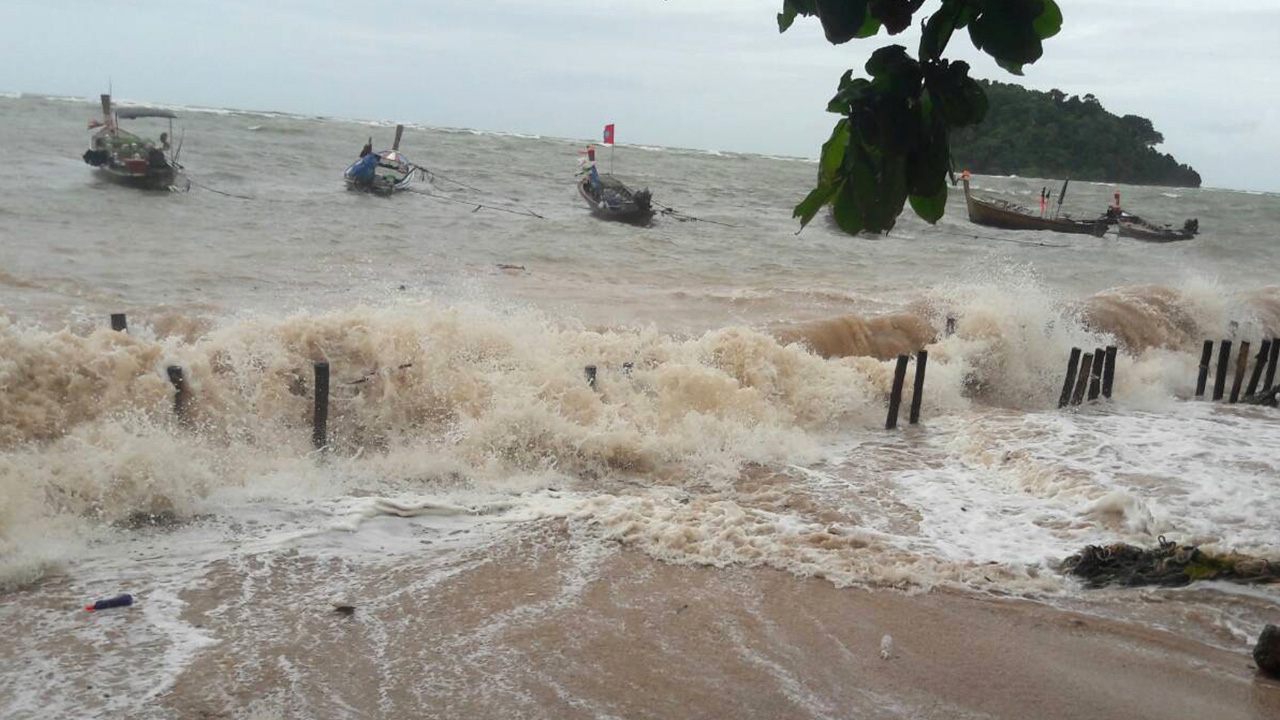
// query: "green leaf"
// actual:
[[869, 28], [846, 212], [842, 20], [1050, 21], [792, 8], [930, 207], [1014, 68], [894, 14], [833, 153], [813, 202], [1007, 31]]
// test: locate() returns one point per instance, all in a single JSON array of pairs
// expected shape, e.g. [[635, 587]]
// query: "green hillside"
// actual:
[[1047, 134]]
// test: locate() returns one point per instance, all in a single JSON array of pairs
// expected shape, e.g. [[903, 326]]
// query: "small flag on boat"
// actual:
[[608, 134]]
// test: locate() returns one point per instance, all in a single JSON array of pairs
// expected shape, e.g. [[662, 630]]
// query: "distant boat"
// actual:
[[1008, 216], [1132, 226], [127, 159], [383, 172]]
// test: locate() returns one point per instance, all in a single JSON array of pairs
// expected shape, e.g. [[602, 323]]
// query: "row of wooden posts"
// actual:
[[1090, 376], [320, 416], [1264, 370]]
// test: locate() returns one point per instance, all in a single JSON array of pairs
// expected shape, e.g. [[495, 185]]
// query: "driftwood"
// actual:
[[1268, 397], [1169, 565]]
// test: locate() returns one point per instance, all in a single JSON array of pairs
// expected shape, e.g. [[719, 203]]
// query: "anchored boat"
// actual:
[[610, 199], [384, 172], [126, 158], [1132, 226], [1008, 216]]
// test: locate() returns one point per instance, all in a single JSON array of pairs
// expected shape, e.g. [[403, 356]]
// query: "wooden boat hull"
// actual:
[[986, 213], [1150, 233], [150, 179], [626, 207]]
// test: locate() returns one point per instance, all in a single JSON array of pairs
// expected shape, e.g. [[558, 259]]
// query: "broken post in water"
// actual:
[[895, 395], [1109, 371], [1201, 380], [590, 372], [320, 421], [119, 322], [1259, 364], [179, 382], [1070, 383], [1242, 363], [917, 389], [1082, 380], [951, 327], [1095, 375], [1220, 379]]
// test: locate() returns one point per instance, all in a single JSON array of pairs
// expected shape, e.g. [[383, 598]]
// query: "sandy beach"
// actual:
[[550, 625]]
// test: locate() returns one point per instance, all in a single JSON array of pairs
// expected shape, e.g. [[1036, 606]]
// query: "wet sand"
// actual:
[[553, 626]]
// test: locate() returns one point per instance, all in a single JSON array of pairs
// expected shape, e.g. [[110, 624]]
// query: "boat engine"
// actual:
[[96, 158]]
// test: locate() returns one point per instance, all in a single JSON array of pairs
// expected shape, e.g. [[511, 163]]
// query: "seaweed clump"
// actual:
[[1169, 565]]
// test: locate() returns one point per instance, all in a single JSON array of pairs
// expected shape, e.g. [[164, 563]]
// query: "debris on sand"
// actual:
[[1169, 565]]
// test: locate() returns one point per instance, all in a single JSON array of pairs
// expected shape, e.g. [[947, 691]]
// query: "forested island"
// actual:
[[1049, 135]]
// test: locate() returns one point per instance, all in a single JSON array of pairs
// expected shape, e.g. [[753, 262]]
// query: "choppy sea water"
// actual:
[[737, 417]]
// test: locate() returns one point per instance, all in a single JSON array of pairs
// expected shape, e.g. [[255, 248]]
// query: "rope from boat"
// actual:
[[1018, 241], [478, 206], [685, 217], [431, 176], [202, 186]]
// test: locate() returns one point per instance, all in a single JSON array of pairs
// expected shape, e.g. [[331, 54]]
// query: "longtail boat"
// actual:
[[1138, 229], [609, 198], [125, 158], [1008, 216], [383, 172]]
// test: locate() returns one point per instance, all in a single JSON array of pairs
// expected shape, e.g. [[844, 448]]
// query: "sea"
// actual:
[[736, 420]]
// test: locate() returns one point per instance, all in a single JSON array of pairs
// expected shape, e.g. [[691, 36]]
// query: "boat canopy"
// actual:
[[128, 113]]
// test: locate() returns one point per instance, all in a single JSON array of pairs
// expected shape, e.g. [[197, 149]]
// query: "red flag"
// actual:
[[608, 134]]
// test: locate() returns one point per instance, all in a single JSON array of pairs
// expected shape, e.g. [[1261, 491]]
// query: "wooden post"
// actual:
[[1203, 378], [119, 322], [1242, 364], [895, 395], [179, 382], [1271, 365], [320, 421], [590, 372], [917, 392], [1220, 379], [1109, 371], [1095, 375], [1082, 382], [1070, 383], [951, 327], [1259, 364]]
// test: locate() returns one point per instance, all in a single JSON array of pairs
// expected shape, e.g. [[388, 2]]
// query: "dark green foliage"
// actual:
[[893, 144], [1050, 135]]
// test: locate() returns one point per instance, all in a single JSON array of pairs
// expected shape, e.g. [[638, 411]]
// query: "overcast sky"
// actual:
[[689, 73]]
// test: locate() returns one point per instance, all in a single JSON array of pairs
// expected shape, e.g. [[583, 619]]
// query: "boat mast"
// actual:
[[107, 118], [1061, 196], [395, 146]]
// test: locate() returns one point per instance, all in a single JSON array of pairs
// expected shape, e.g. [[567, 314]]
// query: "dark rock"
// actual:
[[345, 609], [1267, 652]]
